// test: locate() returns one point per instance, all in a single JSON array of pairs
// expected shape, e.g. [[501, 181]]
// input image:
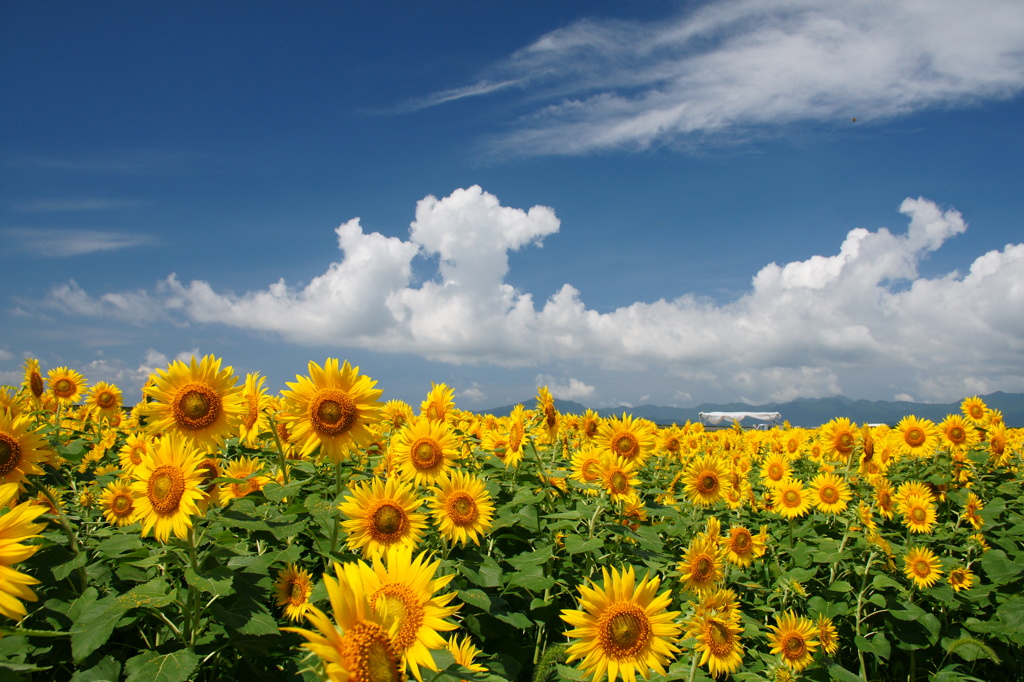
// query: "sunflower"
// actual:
[[589, 424], [884, 497], [105, 399], [66, 385], [794, 638], [957, 433], [922, 566], [839, 438], [331, 409], [974, 409], [827, 635], [33, 379], [403, 591], [137, 446], [210, 469], [918, 513], [16, 526], [704, 480], [774, 470], [741, 546], [974, 505], [424, 450], [293, 587], [357, 646], [255, 402], [701, 567], [250, 479], [465, 653], [718, 641], [118, 503], [546, 406], [440, 401], [961, 578], [200, 402], [166, 488], [462, 508], [622, 627], [381, 514], [495, 441], [916, 437], [997, 443], [790, 499], [631, 439], [618, 476], [394, 414], [586, 468], [22, 448], [829, 493]]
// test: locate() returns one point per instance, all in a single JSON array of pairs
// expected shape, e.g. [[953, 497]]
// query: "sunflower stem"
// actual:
[[282, 460], [860, 607], [693, 666], [65, 526]]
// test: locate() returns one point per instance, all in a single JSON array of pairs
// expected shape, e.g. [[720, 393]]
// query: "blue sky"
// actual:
[[644, 202]]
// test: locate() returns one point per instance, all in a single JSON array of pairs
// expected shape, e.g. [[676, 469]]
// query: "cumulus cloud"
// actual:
[[729, 68], [809, 328], [573, 389], [62, 243]]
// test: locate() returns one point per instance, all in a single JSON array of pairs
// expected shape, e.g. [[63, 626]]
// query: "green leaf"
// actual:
[[971, 649], [517, 620], [117, 545], [95, 626], [477, 598], [64, 570], [216, 582], [998, 567], [534, 583], [838, 672], [840, 586], [153, 667], [107, 670], [576, 544]]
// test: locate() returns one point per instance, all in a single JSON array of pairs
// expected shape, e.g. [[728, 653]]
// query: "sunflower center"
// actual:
[[590, 470], [708, 483], [196, 406], [515, 437], [500, 449], [792, 445], [121, 505], [462, 509], [626, 445], [397, 604], [368, 654], [35, 382], [624, 630], [672, 444], [166, 488], [844, 444], [719, 638], [332, 412], [388, 521], [829, 494], [914, 437], [10, 453], [550, 416], [775, 471], [741, 541], [922, 568], [64, 388], [297, 593], [618, 483], [956, 435], [426, 454], [918, 514], [794, 647], [976, 411], [791, 498], [703, 568], [252, 411], [106, 399]]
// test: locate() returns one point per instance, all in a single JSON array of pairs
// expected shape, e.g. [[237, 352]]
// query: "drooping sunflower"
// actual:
[[404, 592], [440, 401], [918, 513], [701, 566], [424, 450], [839, 438], [916, 437], [462, 508], [249, 474], [718, 641], [828, 637], [631, 439], [22, 448], [546, 406], [622, 628], [293, 587], [775, 470], [166, 488], [741, 546], [66, 385], [794, 638], [381, 514], [829, 493], [884, 497], [16, 526], [922, 566], [199, 401], [34, 379], [357, 646], [790, 499], [974, 409], [118, 503], [705, 480], [105, 399], [332, 409], [974, 505], [255, 402], [961, 578]]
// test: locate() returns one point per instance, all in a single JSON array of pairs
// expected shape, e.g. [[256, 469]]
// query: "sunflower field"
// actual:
[[216, 531]]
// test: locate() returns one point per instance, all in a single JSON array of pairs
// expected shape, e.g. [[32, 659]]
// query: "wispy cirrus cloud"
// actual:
[[62, 243], [731, 68]]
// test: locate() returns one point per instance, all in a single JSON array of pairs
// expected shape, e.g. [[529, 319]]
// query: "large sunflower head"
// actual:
[[66, 385], [794, 638], [199, 401], [741, 546], [425, 450], [916, 437], [105, 399], [16, 526], [958, 433], [701, 567], [922, 567], [790, 499], [118, 503], [292, 588], [775, 470], [618, 476], [381, 515], [622, 627], [357, 646], [839, 438], [166, 488], [631, 439], [462, 508], [829, 493], [919, 513], [137, 446], [705, 480], [22, 448], [331, 409], [248, 472], [974, 408], [718, 642]]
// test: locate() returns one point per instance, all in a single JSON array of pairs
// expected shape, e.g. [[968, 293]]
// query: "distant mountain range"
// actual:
[[807, 412]]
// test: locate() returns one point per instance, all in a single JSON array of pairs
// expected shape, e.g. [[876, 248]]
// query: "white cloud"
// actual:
[[857, 320], [730, 67], [61, 243], [474, 393], [573, 389], [5, 356]]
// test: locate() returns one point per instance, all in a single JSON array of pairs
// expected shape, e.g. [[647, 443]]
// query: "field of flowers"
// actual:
[[217, 531]]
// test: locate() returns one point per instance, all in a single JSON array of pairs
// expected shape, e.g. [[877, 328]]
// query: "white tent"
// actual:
[[715, 418]]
